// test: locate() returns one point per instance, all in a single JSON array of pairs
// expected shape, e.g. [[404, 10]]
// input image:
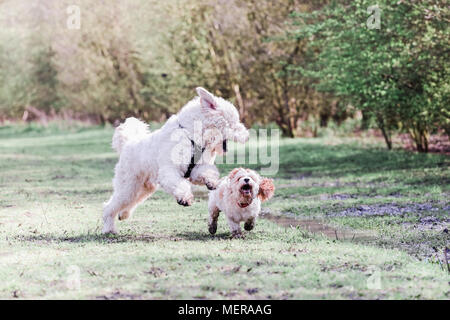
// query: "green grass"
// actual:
[[53, 182]]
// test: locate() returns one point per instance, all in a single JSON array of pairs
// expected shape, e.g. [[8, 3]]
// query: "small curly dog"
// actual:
[[239, 196], [178, 154]]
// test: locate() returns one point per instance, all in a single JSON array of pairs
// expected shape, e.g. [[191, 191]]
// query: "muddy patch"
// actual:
[[339, 196], [345, 196], [316, 226], [386, 210], [430, 223]]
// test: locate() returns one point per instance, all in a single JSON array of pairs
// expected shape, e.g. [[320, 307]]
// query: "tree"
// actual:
[[238, 48], [396, 74]]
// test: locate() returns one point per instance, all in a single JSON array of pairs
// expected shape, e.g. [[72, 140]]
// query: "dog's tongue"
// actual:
[[243, 205], [245, 201]]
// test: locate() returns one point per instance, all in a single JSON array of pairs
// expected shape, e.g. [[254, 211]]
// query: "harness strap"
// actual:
[[197, 152]]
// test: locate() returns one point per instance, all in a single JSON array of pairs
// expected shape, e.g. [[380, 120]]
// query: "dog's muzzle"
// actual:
[[246, 190], [246, 199]]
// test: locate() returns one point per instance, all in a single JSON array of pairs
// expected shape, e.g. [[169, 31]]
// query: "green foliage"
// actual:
[[298, 64], [96, 71], [239, 49], [43, 80], [398, 74]]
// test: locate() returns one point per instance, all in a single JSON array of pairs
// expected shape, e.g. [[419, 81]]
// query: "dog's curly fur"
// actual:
[[148, 160], [239, 196]]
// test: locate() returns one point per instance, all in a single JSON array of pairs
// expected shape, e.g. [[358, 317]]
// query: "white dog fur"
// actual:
[[148, 160], [239, 196]]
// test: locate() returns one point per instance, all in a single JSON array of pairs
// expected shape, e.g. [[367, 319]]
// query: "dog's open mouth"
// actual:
[[246, 190], [246, 198]]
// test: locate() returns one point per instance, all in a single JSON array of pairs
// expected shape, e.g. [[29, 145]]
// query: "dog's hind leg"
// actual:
[[146, 191], [110, 210], [124, 198]]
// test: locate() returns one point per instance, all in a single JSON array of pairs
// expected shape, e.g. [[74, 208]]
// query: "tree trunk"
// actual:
[[324, 120], [365, 121], [285, 130], [385, 132], [240, 103], [420, 137]]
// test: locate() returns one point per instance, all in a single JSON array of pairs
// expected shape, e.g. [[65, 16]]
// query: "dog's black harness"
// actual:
[[197, 152]]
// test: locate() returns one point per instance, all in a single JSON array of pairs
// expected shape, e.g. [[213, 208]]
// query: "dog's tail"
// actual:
[[131, 129]]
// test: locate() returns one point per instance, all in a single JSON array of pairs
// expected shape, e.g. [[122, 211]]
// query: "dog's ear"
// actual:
[[206, 98], [266, 189]]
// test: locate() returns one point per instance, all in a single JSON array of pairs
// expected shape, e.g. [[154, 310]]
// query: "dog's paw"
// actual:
[[108, 225], [212, 228], [186, 200], [237, 234], [183, 203], [249, 225], [123, 215], [108, 231], [211, 185]]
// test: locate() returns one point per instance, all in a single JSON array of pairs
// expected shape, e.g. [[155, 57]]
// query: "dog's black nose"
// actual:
[[246, 180]]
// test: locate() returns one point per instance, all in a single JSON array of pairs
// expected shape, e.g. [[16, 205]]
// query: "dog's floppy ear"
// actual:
[[206, 98], [266, 189]]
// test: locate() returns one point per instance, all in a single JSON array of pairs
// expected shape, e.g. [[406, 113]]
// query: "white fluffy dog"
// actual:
[[181, 152], [239, 196]]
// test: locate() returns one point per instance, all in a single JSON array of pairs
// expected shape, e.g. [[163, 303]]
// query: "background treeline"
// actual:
[[298, 65]]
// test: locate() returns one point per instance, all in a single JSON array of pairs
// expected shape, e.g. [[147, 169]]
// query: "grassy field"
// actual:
[[384, 217]]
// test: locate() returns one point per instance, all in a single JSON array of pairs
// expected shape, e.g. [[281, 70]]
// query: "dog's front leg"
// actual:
[[206, 174], [249, 224], [213, 216], [235, 228], [171, 181]]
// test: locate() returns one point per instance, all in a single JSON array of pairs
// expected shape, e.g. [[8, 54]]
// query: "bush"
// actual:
[[395, 74]]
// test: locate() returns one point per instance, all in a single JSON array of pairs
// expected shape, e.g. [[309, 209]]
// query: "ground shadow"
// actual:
[[203, 236], [122, 238], [89, 237]]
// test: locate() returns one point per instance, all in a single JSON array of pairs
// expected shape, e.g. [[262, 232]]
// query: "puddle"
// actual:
[[316, 226]]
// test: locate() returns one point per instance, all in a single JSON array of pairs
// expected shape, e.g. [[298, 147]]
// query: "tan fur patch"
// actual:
[[221, 192], [266, 189], [234, 172]]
